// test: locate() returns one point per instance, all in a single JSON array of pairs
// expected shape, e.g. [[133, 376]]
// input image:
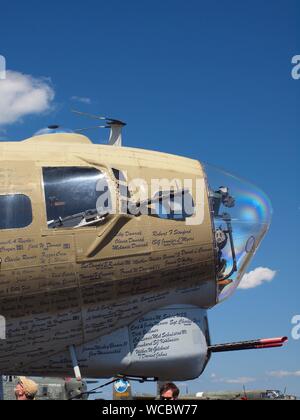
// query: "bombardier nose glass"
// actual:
[[242, 215]]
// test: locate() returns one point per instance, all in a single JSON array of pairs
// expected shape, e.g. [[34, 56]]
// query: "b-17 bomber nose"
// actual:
[[241, 215]]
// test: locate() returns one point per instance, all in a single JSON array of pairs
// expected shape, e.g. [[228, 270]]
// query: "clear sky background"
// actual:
[[206, 79]]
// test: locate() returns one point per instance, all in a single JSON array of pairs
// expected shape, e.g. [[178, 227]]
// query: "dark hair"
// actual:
[[169, 387]]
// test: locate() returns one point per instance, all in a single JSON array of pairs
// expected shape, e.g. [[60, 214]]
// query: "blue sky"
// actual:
[[206, 79]]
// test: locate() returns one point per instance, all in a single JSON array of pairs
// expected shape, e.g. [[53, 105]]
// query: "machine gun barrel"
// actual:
[[265, 343]]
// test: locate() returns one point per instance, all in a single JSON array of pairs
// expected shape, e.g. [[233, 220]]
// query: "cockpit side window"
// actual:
[[75, 196], [15, 211]]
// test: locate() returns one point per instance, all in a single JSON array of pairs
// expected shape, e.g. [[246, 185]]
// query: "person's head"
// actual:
[[169, 391], [25, 389]]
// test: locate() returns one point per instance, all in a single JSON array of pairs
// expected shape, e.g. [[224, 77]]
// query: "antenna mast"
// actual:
[[115, 126]]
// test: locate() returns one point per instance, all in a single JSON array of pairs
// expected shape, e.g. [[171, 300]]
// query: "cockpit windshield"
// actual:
[[241, 216]]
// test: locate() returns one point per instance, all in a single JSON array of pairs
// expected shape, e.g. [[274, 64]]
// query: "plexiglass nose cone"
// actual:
[[241, 215]]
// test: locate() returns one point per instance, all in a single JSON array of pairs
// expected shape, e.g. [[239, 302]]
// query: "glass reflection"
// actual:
[[241, 216]]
